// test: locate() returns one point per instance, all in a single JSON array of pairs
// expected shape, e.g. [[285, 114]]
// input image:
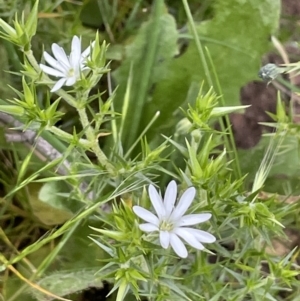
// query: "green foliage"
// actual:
[[284, 171], [64, 283], [46, 203], [237, 37], [66, 219], [23, 31]]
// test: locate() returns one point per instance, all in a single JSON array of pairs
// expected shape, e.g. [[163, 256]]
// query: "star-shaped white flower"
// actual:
[[68, 68], [170, 221]]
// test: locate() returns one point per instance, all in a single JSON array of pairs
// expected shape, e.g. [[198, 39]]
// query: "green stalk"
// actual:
[[93, 140], [229, 143], [50, 257], [32, 60], [142, 134], [197, 41], [67, 137], [90, 134]]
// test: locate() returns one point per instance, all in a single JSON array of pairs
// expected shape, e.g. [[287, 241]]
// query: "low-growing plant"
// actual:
[[97, 206]]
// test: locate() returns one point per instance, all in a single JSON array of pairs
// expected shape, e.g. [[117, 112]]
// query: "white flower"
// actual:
[[68, 68], [171, 221]]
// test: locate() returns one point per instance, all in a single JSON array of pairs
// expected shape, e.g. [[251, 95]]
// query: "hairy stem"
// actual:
[[68, 137], [93, 139]]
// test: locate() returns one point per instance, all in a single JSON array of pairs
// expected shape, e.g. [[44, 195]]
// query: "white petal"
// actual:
[[178, 246], [164, 238], [146, 215], [170, 197], [76, 46], [202, 236], [184, 203], [75, 55], [58, 85], [82, 67], [193, 219], [51, 71], [54, 63], [189, 238], [148, 227], [71, 81], [157, 202], [60, 55]]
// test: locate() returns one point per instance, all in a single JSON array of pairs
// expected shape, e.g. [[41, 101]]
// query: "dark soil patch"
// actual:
[[96, 294]]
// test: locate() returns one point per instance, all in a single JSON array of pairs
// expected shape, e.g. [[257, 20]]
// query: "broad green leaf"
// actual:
[[80, 252], [238, 36], [47, 205], [64, 283]]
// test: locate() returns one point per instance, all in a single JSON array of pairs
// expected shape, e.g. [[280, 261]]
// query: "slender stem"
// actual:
[[229, 143], [142, 134], [32, 60], [90, 134], [51, 257], [89, 131], [197, 41], [67, 137], [67, 97]]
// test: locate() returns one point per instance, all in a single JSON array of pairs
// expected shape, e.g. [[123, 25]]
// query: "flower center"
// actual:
[[71, 72], [166, 226]]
